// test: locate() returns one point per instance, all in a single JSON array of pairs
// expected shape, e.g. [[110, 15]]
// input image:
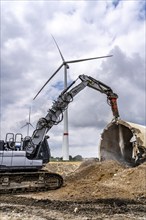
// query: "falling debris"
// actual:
[[121, 140]]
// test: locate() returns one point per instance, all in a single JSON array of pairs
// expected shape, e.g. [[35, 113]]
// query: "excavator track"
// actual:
[[22, 182]]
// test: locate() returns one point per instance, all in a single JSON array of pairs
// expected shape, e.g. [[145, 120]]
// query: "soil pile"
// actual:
[[62, 168], [106, 179]]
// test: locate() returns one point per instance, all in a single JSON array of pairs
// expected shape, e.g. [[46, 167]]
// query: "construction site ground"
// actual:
[[92, 190]]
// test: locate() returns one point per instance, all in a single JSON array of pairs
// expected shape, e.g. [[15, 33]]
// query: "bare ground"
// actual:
[[92, 190]]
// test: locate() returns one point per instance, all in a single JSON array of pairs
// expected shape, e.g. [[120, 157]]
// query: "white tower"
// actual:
[[65, 143]]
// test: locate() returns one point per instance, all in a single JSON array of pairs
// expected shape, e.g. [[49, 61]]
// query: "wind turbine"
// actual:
[[28, 123], [65, 145]]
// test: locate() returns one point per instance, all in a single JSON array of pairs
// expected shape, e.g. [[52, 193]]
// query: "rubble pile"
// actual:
[[107, 179], [63, 168]]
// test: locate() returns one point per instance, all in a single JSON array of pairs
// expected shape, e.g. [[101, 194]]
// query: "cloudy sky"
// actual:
[[82, 29]]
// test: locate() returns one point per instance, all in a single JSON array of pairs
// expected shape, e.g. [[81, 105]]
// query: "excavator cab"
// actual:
[[13, 141], [16, 142]]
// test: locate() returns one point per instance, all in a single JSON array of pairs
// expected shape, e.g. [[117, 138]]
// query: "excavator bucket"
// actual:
[[125, 142]]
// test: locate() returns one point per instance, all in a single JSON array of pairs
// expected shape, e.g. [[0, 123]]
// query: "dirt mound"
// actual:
[[97, 171], [132, 180], [101, 180], [88, 182], [62, 168]]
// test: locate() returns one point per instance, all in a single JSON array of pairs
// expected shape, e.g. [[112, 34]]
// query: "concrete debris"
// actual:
[[125, 142]]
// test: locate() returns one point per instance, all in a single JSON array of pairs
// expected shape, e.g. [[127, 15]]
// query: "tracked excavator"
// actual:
[[22, 159]]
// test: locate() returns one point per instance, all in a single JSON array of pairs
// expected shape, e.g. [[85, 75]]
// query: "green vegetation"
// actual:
[[76, 158]]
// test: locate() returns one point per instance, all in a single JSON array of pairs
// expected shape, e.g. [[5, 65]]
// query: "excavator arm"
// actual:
[[103, 88], [55, 113]]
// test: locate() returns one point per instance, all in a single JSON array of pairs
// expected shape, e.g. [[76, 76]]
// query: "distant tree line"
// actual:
[[76, 158]]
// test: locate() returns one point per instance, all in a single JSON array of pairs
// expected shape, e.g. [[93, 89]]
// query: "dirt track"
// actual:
[[96, 190]]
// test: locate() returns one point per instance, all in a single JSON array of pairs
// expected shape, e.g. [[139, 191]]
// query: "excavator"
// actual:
[[22, 159]]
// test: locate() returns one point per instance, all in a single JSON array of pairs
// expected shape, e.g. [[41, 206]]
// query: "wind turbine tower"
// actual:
[[65, 142]]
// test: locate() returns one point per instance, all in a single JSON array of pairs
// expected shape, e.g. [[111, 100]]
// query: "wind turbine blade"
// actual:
[[48, 80], [31, 125], [24, 125], [58, 49], [93, 58]]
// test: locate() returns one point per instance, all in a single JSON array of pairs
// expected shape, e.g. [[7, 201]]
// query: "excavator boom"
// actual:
[[59, 106]]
